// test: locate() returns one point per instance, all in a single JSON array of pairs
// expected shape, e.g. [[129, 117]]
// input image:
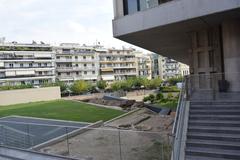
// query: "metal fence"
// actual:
[[86, 142]]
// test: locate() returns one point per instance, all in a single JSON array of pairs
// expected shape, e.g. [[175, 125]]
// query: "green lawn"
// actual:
[[61, 109]]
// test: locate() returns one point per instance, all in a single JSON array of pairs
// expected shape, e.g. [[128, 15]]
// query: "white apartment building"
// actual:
[[169, 68], [26, 63], [117, 64], [144, 65], [76, 62]]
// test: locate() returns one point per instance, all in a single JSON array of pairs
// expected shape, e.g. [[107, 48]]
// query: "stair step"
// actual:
[[211, 129], [213, 144], [215, 111], [214, 136], [214, 117], [204, 158], [214, 153], [214, 123], [224, 107], [231, 102]]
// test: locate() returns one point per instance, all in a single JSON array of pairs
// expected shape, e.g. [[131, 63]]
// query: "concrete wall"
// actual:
[[231, 49], [29, 95]]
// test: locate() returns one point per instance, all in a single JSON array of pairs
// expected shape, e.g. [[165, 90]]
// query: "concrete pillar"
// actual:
[[231, 50]]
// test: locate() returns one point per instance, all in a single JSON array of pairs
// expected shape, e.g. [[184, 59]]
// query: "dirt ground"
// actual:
[[109, 143]]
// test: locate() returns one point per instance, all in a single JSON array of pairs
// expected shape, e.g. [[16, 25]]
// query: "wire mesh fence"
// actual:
[[85, 142]]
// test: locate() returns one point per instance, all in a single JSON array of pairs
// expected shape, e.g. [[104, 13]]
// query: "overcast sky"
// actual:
[[58, 21]]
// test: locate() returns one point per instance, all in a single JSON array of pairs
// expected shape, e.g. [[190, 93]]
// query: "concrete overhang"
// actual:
[[165, 29]]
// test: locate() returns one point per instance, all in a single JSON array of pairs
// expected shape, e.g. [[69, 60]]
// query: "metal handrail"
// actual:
[[179, 122]]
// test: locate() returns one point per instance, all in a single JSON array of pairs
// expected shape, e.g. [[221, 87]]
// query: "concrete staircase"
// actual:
[[213, 131]]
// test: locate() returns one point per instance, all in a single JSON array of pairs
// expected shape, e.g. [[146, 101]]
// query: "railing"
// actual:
[[178, 127], [213, 86], [89, 142]]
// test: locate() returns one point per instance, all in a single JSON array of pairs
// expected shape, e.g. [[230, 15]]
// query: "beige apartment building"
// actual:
[[117, 64], [26, 63], [76, 62]]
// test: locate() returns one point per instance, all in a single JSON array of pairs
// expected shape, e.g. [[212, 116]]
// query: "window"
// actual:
[[11, 65], [40, 73], [66, 50], [76, 65], [39, 64], [85, 72], [30, 64], [76, 57], [77, 73], [93, 65], [21, 65], [85, 65], [130, 6], [45, 64], [68, 73], [59, 73], [93, 72], [84, 57], [92, 57]]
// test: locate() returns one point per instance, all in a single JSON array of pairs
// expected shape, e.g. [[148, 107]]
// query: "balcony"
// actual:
[[70, 69]]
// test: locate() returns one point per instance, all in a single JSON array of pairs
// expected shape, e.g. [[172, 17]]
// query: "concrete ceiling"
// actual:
[[174, 40]]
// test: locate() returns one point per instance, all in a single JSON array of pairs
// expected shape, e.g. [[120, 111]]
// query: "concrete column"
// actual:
[[231, 50]]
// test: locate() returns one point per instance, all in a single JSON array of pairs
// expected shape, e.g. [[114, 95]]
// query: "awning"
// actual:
[[108, 77]]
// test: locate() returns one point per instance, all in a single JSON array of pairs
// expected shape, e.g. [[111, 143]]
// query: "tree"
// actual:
[[175, 80], [79, 87], [101, 84], [154, 83], [62, 85]]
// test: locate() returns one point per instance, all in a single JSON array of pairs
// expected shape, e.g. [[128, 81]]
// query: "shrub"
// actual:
[[10, 87], [116, 86], [150, 98], [81, 86], [170, 96], [101, 84], [175, 80], [159, 96], [169, 89], [154, 83]]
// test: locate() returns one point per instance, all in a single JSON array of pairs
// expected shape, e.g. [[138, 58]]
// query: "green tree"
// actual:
[[154, 83], [116, 86], [175, 80], [101, 84], [81, 86], [63, 86]]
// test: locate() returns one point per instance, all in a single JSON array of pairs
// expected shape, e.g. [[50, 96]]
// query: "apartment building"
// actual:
[[26, 63], [144, 65], [117, 64], [165, 68], [76, 62]]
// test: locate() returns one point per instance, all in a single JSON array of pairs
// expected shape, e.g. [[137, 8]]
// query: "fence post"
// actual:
[[68, 151], [119, 141]]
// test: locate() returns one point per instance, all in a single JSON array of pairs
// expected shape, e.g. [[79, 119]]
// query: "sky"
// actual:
[[58, 21]]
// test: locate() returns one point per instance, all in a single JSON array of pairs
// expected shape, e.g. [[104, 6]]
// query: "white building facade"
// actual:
[[26, 64], [76, 62]]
